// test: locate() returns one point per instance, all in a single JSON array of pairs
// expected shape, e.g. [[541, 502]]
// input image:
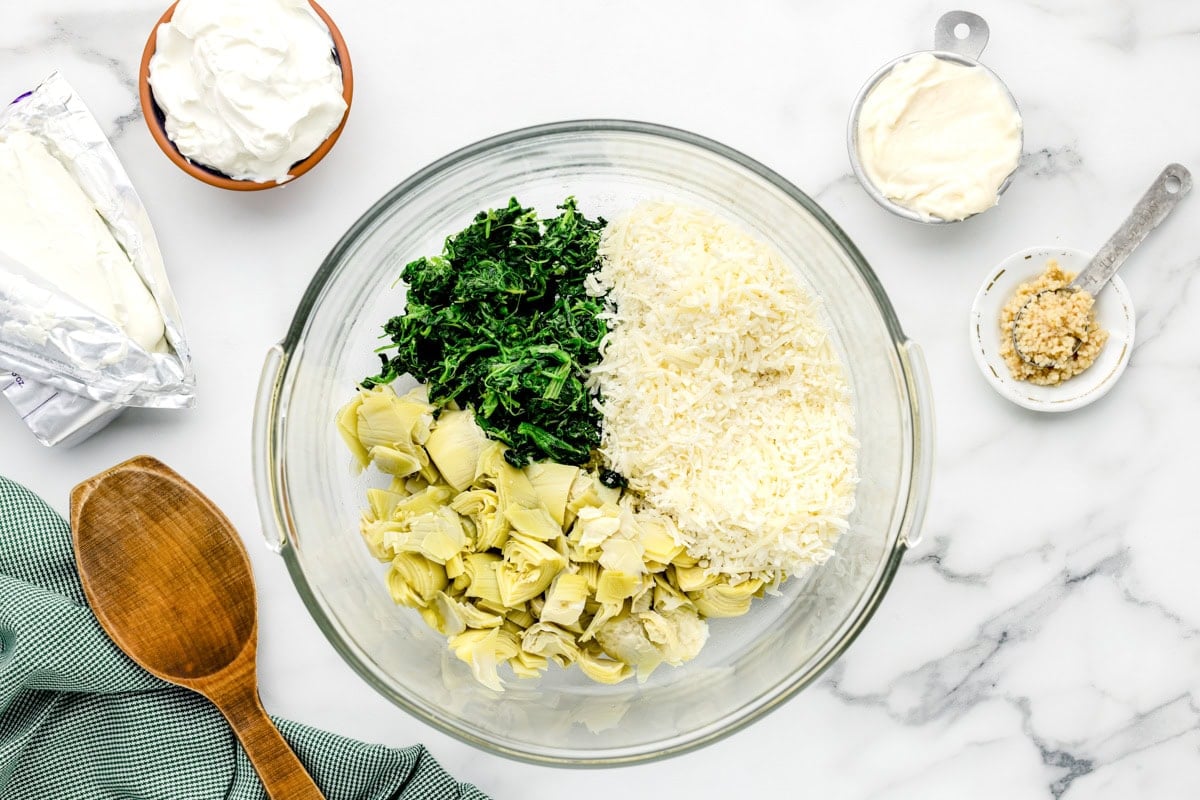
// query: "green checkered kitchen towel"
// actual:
[[80, 721]]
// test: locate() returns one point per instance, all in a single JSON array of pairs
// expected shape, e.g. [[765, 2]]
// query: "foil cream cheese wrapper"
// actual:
[[67, 370]]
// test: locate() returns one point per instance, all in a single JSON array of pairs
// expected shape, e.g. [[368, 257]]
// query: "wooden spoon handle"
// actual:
[[282, 774]]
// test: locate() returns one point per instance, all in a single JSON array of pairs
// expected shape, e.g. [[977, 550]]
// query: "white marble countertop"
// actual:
[[1044, 640]]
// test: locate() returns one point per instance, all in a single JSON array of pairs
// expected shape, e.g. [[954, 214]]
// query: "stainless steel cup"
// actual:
[[959, 36]]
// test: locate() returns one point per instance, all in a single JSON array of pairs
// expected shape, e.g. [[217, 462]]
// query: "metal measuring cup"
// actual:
[[947, 45]]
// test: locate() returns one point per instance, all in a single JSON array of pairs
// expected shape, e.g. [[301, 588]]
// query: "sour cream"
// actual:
[[248, 87], [939, 137], [49, 225]]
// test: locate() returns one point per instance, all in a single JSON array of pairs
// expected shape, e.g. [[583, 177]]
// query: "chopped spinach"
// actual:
[[612, 479], [500, 321]]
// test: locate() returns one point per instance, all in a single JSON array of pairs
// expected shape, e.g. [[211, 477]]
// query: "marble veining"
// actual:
[[1043, 641], [1050, 162]]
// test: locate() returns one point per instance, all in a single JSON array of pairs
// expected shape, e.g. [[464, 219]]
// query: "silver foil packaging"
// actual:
[[66, 369]]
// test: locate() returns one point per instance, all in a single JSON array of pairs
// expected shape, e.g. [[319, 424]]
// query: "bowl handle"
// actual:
[[921, 398], [268, 477]]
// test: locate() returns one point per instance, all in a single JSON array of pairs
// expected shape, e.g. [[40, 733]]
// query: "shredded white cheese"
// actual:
[[725, 402]]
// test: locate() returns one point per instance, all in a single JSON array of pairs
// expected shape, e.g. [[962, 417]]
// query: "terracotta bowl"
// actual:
[[155, 119]]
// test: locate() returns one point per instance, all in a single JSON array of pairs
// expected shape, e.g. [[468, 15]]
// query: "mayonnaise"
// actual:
[[50, 226], [939, 137], [248, 87]]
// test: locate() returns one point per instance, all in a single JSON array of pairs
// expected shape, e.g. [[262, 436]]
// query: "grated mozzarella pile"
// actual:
[[725, 403]]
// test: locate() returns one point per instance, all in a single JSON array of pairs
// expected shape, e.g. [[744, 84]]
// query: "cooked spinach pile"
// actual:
[[500, 321]]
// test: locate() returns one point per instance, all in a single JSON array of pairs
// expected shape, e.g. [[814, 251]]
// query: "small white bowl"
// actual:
[[1114, 312]]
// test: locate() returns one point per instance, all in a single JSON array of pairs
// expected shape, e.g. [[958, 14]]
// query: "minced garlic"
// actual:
[[1056, 328]]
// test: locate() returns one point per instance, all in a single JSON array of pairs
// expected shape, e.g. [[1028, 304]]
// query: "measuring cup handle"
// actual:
[[971, 46], [1159, 200]]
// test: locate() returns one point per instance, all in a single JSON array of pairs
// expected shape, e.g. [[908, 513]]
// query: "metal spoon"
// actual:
[[170, 583], [1159, 200]]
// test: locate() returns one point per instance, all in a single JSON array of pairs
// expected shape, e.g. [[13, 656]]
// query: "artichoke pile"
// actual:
[[525, 566]]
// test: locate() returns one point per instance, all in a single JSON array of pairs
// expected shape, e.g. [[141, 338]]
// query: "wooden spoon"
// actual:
[[169, 580]]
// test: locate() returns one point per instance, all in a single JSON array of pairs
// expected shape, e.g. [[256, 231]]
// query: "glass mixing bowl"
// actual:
[[310, 499]]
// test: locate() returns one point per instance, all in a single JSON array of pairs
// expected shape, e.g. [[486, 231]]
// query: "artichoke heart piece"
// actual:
[[603, 614], [685, 559], [426, 501], [668, 597], [583, 555], [480, 571], [593, 525], [643, 600], [399, 486], [394, 461], [624, 639], [347, 425], [473, 501], [438, 536], [622, 555], [693, 579], [428, 471], [514, 490], [533, 522], [607, 494], [614, 586], [580, 487], [527, 569], [565, 599], [553, 482], [434, 619], [468, 526], [485, 651], [590, 573], [550, 641], [679, 635], [588, 491], [595, 665], [375, 534], [521, 617], [490, 607], [563, 547], [414, 404], [528, 665], [383, 502], [723, 600], [491, 462], [391, 421], [418, 395], [482, 506], [511, 484], [476, 617], [412, 484], [657, 542], [455, 444], [456, 616], [413, 580]]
